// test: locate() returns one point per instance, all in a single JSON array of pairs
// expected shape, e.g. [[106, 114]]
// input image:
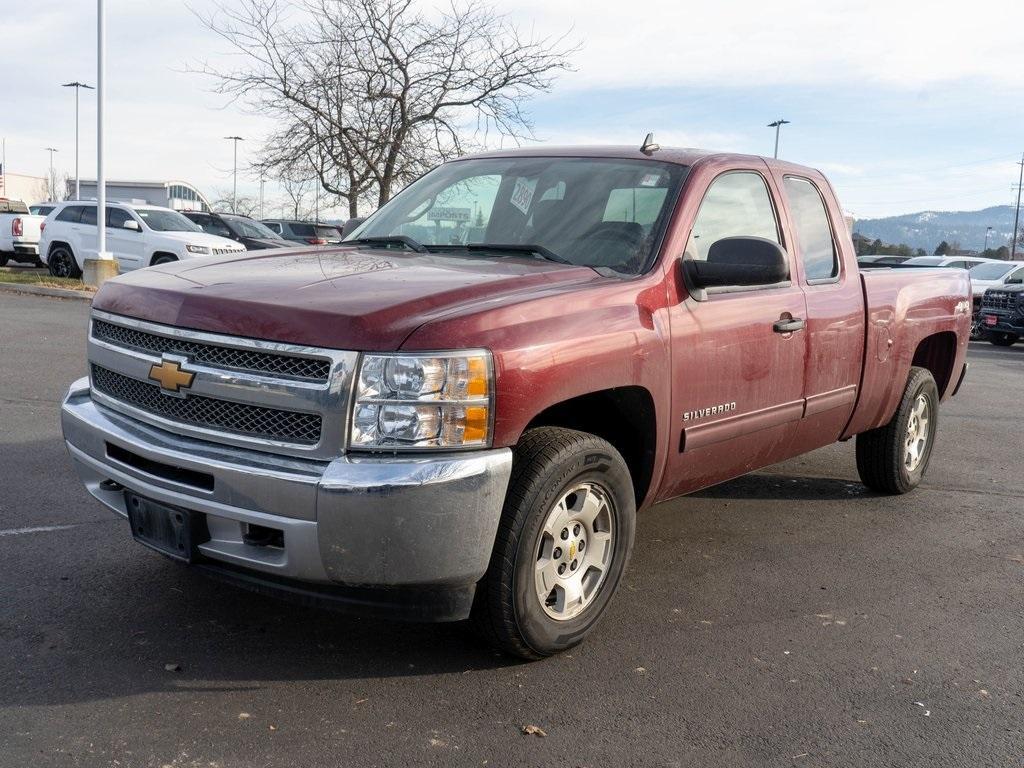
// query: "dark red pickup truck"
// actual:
[[459, 412]]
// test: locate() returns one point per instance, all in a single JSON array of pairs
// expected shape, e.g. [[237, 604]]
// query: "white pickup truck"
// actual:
[[19, 233]]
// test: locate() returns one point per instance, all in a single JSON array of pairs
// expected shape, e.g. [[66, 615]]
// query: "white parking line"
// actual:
[[38, 529]]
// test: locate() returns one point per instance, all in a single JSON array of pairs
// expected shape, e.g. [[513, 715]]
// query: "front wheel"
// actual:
[[893, 458], [163, 259], [1001, 339], [565, 537]]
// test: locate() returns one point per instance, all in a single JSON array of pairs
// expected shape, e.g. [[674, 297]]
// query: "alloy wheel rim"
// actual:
[[575, 551], [918, 431]]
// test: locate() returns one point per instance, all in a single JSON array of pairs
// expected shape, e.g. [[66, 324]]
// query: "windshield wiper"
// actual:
[[408, 242], [539, 250]]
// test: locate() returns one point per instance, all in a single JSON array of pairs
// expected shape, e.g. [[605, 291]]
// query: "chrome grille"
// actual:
[[211, 413], [210, 354]]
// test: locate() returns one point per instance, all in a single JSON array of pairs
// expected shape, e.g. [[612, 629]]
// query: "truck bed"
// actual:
[[903, 309]]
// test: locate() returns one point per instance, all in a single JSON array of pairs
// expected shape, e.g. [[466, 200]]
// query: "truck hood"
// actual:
[[341, 298]]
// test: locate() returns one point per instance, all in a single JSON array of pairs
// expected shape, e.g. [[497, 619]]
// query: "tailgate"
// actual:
[[30, 228]]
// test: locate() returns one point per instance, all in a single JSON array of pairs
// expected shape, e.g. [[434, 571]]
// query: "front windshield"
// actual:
[[591, 212], [989, 271], [249, 228], [160, 220]]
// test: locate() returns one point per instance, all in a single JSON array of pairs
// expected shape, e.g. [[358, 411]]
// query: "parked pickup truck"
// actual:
[[459, 411], [19, 233]]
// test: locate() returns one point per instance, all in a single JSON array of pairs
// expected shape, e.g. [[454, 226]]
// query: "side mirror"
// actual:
[[739, 261], [132, 224], [349, 226]]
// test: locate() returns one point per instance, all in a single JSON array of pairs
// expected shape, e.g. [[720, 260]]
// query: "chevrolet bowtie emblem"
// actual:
[[170, 376]]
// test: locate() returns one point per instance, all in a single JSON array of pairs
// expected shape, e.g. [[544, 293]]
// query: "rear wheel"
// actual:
[[4, 258], [893, 458], [62, 263], [163, 259], [564, 540], [1001, 339]]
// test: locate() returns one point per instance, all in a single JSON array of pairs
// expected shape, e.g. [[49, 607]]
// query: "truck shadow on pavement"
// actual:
[[778, 486]]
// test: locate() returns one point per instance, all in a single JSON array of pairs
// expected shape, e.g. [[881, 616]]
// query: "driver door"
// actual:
[[737, 374], [127, 245]]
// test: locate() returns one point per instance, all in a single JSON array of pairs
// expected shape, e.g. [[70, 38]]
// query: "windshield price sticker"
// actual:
[[522, 195], [650, 180]]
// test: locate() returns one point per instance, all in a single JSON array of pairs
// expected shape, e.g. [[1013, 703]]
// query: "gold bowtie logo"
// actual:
[[170, 376], [572, 549]]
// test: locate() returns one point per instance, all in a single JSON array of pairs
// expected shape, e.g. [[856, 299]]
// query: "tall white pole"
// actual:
[[234, 183], [101, 97], [78, 182]]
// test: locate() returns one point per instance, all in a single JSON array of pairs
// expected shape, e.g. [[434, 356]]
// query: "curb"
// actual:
[[39, 290]]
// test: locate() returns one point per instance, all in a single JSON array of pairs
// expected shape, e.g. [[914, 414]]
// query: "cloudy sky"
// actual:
[[907, 105]]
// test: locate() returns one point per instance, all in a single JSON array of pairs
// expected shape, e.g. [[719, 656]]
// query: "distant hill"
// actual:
[[929, 228]]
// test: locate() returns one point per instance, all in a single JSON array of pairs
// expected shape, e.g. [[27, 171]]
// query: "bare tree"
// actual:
[[245, 205], [371, 93]]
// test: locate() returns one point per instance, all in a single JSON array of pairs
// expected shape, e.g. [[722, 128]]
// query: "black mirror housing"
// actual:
[[739, 261], [349, 226]]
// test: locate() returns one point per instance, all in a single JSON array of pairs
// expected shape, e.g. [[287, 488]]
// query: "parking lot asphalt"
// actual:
[[785, 618]]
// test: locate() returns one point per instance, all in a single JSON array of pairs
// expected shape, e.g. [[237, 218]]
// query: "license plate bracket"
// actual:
[[170, 530]]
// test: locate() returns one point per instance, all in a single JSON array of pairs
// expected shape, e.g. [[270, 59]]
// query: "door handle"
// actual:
[[788, 325]]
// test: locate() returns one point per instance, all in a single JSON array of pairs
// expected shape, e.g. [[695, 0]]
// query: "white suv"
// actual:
[[137, 236]]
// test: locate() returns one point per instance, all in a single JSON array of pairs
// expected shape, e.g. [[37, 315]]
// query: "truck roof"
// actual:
[[676, 155]]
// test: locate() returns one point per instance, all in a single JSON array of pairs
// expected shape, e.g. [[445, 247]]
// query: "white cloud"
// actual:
[[907, 43]]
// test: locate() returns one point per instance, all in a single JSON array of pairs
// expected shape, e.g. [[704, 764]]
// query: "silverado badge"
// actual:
[[711, 410], [170, 377]]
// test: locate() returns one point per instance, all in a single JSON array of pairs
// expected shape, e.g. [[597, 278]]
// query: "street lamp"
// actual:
[[53, 179], [78, 87], [777, 125], [234, 188]]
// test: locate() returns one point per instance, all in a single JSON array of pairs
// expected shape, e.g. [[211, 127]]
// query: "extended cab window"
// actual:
[[737, 204], [812, 229]]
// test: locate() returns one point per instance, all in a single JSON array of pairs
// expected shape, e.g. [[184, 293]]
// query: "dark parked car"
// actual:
[[305, 232], [249, 232], [1002, 314]]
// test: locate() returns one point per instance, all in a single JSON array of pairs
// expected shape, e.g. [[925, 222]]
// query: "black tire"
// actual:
[[549, 463], [882, 454], [1001, 339], [62, 263], [162, 259], [4, 258]]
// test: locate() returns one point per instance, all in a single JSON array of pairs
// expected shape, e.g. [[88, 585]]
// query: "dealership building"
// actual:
[[178, 195]]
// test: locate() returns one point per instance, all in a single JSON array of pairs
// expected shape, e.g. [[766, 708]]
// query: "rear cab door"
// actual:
[[830, 279], [737, 379]]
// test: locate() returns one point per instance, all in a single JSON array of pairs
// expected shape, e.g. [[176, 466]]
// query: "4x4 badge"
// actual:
[[170, 376]]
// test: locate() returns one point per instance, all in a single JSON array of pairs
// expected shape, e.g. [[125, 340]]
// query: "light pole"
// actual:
[[234, 187], [1016, 215], [78, 87], [777, 125], [104, 266], [262, 180], [53, 180]]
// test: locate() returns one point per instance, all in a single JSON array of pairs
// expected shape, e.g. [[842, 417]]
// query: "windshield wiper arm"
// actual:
[[540, 250], [408, 242]]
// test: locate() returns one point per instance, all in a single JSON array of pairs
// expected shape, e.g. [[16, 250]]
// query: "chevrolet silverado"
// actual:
[[458, 412]]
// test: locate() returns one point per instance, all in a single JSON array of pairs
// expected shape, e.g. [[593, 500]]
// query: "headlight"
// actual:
[[197, 249], [441, 400]]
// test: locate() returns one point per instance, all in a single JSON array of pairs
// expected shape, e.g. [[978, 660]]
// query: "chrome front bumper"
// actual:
[[358, 521]]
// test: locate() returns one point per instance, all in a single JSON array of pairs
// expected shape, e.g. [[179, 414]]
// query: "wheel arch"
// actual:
[[937, 354], [624, 416], [157, 254]]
